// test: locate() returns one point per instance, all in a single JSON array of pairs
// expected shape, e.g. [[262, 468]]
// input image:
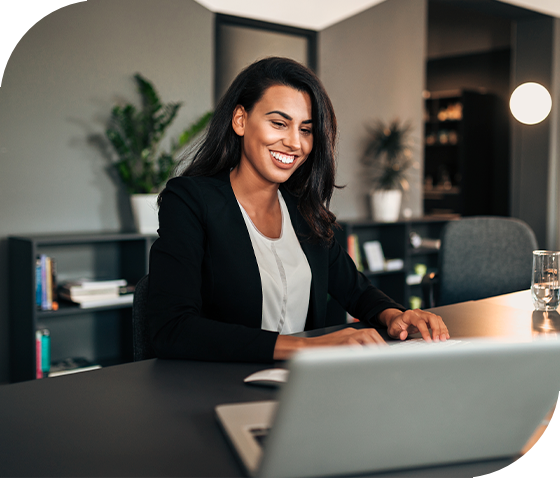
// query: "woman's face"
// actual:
[[276, 134]]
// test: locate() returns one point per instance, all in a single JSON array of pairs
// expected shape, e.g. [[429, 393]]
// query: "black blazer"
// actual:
[[205, 297]]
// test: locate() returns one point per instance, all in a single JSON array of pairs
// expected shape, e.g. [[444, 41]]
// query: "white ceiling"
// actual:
[[320, 14], [548, 7], [309, 14]]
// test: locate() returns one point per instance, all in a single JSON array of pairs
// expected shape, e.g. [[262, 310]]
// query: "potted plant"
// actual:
[[141, 164], [387, 157]]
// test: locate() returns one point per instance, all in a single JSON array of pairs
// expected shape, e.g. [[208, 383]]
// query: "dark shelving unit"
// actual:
[[465, 144], [102, 334], [395, 241]]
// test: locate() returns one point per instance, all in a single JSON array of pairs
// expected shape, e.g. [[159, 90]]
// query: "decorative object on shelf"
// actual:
[[387, 157], [141, 165]]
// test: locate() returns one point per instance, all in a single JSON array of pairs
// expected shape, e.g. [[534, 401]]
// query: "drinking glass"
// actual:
[[544, 284]]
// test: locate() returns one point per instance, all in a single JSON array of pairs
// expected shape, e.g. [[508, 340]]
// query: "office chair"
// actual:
[[141, 341], [480, 257]]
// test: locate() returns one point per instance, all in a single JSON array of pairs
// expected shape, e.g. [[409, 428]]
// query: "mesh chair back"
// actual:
[[484, 256], [142, 344]]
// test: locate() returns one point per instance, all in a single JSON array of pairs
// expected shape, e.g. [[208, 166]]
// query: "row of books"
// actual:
[[84, 292], [43, 366], [45, 283]]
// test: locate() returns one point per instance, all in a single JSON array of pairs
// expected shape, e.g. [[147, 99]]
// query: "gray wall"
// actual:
[[530, 153], [373, 67], [58, 89]]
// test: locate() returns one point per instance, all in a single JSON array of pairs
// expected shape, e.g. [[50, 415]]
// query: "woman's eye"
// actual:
[[306, 131], [278, 124]]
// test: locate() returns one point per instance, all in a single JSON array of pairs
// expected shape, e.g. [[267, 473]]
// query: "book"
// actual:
[[45, 352], [353, 246], [90, 285], [38, 356], [48, 282], [100, 294], [43, 282], [72, 365], [118, 300], [38, 284]]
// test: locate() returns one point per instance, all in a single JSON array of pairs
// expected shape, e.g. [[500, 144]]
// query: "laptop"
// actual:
[[352, 410]]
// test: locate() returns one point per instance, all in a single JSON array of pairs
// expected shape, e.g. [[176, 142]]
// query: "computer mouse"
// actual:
[[271, 377]]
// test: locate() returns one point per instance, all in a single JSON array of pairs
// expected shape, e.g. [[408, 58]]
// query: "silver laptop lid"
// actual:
[[352, 410]]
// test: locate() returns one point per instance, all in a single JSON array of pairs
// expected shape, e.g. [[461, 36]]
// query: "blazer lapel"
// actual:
[[240, 254]]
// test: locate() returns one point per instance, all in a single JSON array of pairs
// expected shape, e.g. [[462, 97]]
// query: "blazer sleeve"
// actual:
[[175, 306], [354, 291]]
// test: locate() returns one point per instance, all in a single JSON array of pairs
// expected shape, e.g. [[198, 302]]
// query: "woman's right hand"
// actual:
[[287, 345]]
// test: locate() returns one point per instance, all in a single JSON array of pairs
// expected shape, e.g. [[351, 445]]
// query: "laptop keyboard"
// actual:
[[414, 343]]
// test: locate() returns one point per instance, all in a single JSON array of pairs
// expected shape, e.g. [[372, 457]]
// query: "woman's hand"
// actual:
[[287, 345], [401, 324]]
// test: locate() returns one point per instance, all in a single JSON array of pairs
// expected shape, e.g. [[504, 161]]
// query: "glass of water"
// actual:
[[544, 284]]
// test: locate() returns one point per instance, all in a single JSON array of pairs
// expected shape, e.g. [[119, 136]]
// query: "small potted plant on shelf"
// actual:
[[141, 164], [387, 157]]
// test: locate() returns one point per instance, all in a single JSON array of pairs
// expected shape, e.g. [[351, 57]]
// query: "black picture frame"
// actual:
[[229, 20]]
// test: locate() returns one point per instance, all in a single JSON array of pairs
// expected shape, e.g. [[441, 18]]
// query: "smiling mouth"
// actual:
[[283, 158]]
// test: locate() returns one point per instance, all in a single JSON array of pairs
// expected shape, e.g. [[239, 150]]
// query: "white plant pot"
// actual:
[[386, 205], [145, 212]]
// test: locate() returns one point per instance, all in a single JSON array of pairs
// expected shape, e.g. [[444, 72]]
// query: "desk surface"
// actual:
[[156, 417]]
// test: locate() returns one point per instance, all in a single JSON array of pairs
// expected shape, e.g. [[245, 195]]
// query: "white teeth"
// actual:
[[284, 158]]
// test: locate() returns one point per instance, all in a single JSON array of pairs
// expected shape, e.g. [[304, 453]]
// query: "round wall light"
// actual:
[[530, 103]]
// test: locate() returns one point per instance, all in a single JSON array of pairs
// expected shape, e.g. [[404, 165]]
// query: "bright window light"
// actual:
[[530, 103]]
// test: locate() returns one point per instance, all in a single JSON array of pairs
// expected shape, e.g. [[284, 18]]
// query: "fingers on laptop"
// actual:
[[423, 321], [413, 321], [351, 336]]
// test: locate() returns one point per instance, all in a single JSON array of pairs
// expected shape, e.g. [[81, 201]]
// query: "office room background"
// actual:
[[70, 68]]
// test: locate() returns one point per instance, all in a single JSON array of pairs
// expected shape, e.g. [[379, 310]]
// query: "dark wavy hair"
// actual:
[[313, 183]]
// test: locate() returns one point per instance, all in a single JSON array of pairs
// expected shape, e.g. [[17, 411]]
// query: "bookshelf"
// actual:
[[102, 334], [465, 154], [396, 243]]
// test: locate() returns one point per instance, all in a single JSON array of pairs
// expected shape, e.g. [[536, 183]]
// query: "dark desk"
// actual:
[[156, 417]]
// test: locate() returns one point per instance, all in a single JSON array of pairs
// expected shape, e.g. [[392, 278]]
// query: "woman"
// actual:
[[245, 253]]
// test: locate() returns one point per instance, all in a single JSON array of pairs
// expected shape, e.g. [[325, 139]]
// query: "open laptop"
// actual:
[[353, 410]]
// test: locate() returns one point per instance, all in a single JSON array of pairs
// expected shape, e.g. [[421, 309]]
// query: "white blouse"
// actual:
[[285, 275]]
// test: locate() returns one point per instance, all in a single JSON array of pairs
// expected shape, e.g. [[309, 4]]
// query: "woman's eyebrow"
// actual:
[[286, 116]]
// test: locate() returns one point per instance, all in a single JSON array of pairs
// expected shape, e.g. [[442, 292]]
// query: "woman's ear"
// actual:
[[238, 120]]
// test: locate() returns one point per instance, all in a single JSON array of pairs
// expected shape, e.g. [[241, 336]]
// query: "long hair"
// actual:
[[312, 183]]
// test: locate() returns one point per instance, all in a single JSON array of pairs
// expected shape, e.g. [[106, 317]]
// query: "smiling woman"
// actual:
[[246, 253]]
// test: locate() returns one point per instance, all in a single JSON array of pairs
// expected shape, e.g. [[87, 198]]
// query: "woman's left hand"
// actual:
[[401, 324]]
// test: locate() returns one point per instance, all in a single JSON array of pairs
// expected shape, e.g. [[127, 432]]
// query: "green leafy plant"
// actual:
[[388, 154], [136, 134]]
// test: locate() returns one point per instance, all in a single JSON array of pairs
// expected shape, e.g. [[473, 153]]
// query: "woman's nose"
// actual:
[[292, 139]]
